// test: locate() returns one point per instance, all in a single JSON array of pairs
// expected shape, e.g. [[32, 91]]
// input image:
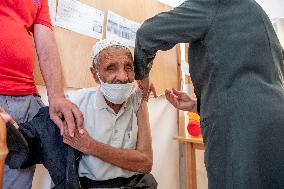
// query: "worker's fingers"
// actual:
[[178, 93], [79, 119], [69, 118], [172, 99], [175, 103], [167, 94], [55, 118]]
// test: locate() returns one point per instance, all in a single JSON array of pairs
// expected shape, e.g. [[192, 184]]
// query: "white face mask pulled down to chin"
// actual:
[[117, 93]]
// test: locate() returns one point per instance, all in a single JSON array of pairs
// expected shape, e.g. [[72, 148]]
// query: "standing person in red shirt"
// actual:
[[25, 25]]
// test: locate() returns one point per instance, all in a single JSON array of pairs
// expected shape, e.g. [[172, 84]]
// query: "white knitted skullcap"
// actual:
[[104, 44]]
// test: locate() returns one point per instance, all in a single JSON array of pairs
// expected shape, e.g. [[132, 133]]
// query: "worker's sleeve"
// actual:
[[42, 16], [185, 24]]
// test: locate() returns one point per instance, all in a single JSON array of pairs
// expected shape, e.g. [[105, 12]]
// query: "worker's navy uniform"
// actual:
[[236, 65]]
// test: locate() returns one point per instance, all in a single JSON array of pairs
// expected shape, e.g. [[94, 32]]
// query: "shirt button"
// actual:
[[115, 131]]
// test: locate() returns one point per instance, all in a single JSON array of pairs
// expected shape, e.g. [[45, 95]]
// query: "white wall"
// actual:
[[172, 3], [274, 8], [279, 27], [163, 122]]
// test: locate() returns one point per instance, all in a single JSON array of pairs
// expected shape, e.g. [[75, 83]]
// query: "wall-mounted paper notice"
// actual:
[[52, 10], [121, 29], [81, 18]]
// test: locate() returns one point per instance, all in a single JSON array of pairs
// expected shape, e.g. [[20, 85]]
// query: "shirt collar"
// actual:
[[100, 101]]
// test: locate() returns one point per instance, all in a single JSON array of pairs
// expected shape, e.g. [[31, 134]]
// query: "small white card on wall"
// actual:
[[121, 29]]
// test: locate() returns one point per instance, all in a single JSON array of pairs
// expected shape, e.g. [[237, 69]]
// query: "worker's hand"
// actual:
[[7, 118], [60, 108], [147, 88], [81, 142], [180, 100]]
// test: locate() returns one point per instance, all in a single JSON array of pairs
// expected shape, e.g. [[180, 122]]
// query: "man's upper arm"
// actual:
[[185, 24], [144, 141], [43, 36]]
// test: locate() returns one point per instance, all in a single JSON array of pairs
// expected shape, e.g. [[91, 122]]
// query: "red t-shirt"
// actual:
[[17, 18]]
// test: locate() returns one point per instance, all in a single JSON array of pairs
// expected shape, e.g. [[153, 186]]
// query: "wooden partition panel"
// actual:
[[75, 49]]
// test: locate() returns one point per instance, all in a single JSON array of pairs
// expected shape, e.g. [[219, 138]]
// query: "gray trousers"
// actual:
[[22, 109]]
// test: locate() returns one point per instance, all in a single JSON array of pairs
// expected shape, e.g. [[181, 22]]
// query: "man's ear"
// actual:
[[95, 75]]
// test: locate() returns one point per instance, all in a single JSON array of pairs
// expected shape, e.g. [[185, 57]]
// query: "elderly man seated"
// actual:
[[115, 151]]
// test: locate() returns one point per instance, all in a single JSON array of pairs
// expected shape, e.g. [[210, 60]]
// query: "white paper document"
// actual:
[[121, 29], [81, 18], [52, 10]]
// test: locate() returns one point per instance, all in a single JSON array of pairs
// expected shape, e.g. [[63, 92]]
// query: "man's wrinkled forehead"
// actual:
[[114, 53]]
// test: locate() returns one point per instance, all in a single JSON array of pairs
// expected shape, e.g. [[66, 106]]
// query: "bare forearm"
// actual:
[[51, 71], [136, 160], [132, 160], [49, 60]]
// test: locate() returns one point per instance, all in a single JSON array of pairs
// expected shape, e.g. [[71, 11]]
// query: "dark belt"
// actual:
[[111, 183]]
